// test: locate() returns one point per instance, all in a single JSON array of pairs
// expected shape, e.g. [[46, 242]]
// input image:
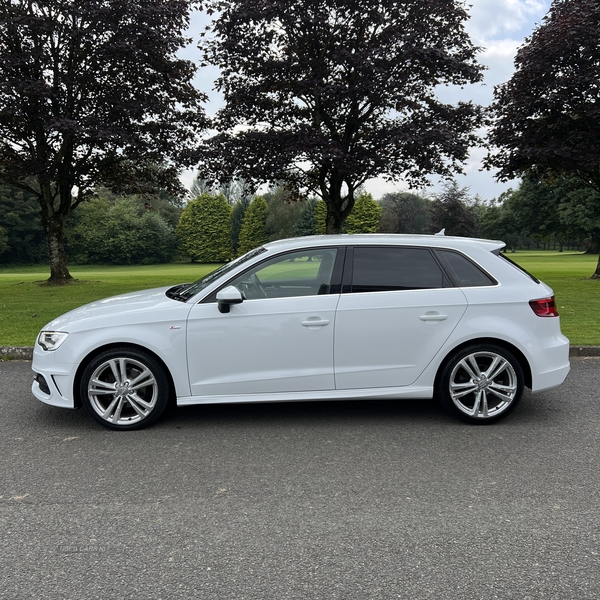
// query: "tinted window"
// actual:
[[462, 270], [395, 268]]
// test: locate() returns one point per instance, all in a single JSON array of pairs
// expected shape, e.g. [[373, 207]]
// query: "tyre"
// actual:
[[124, 389], [480, 384]]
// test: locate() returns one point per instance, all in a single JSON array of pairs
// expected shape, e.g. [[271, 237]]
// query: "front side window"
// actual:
[[302, 273], [388, 269]]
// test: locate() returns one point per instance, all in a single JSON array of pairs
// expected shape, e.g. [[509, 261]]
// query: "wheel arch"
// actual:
[[127, 346], [497, 342]]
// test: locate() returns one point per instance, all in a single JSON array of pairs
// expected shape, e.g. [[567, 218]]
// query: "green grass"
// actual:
[[26, 304]]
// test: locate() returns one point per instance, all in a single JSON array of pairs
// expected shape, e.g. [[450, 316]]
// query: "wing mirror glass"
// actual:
[[228, 296]]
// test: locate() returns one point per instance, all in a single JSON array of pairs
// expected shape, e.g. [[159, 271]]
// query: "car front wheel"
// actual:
[[481, 384], [124, 389]]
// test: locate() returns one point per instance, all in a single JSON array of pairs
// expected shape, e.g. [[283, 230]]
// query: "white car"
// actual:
[[316, 318]]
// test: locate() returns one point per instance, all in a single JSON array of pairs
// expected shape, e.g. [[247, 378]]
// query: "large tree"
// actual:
[[323, 96], [93, 93], [547, 116]]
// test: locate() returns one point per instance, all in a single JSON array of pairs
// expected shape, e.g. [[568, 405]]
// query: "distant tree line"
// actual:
[[214, 228]]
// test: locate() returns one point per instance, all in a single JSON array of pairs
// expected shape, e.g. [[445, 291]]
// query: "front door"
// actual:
[[278, 340]]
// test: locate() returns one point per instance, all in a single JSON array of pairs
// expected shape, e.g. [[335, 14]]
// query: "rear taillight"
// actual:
[[544, 307]]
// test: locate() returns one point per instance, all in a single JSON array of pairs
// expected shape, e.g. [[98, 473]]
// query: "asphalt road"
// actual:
[[348, 500]]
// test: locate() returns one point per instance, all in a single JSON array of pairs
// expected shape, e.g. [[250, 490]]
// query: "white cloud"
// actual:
[[495, 18]]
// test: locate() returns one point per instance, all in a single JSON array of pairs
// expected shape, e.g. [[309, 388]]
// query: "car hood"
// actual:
[[126, 308]]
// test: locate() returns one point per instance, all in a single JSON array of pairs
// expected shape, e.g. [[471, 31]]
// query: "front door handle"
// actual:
[[433, 316], [315, 322]]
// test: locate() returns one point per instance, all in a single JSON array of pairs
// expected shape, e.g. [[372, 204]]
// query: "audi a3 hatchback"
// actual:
[[315, 318]]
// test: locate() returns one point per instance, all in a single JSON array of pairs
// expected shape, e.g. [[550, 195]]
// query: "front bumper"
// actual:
[[53, 382]]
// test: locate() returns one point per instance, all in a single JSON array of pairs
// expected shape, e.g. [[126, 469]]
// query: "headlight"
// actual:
[[51, 340]]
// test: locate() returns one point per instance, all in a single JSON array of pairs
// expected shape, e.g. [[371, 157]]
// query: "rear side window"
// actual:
[[395, 268], [462, 271]]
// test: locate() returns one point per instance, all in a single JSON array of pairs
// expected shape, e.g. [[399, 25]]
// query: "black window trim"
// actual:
[[447, 277]]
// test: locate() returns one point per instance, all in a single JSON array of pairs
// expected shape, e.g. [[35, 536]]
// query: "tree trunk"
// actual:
[[596, 275], [53, 222], [59, 272], [594, 246], [338, 208]]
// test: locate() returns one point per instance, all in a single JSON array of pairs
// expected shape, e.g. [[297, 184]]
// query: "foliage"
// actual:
[[253, 232], [203, 231], [404, 212], [561, 210], [453, 211], [19, 216], [237, 218], [283, 213], [119, 232], [306, 223], [365, 216], [333, 94], [548, 113], [3, 240], [93, 93], [321, 218], [500, 222]]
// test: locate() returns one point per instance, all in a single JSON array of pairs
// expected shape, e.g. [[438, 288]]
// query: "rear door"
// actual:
[[396, 311]]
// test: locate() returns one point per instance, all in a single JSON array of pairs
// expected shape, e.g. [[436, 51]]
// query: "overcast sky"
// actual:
[[498, 26]]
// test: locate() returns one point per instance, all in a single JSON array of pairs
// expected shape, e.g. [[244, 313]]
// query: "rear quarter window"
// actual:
[[462, 271]]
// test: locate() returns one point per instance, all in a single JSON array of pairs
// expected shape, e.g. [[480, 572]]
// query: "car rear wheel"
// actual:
[[481, 384], [124, 389]]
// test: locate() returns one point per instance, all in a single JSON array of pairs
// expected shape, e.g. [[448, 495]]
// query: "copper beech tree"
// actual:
[[93, 93], [322, 96], [547, 116]]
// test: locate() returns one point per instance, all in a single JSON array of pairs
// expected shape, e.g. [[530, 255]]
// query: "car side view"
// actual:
[[316, 318]]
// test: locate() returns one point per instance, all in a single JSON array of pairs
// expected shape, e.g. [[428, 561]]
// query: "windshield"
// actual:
[[194, 288]]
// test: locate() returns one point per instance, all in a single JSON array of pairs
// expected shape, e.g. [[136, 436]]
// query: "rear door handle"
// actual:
[[433, 316]]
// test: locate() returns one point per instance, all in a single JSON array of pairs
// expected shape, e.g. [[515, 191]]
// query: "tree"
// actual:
[[365, 216], [451, 210], [404, 212], [19, 215], [92, 93], [253, 232], [499, 221], [203, 231], [283, 213], [119, 232], [547, 116], [306, 224], [333, 94]]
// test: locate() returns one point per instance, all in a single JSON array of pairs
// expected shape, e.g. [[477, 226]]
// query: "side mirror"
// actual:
[[228, 296]]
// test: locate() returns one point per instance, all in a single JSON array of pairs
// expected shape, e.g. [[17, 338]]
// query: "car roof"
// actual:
[[365, 239]]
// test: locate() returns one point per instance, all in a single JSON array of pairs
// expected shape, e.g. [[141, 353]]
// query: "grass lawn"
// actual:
[[26, 304]]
